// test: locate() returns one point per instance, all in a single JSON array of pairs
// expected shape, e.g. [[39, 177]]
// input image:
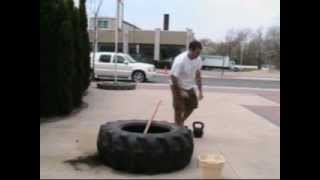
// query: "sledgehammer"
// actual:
[[153, 115]]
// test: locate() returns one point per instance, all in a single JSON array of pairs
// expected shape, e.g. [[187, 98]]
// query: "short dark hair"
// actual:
[[195, 45]]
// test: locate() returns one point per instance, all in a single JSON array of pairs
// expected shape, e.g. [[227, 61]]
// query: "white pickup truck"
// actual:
[[127, 67]]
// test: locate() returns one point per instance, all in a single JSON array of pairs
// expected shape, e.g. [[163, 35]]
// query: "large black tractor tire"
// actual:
[[165, 148]]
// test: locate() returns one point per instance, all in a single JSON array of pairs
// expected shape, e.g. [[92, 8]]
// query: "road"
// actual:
[[214, 81]]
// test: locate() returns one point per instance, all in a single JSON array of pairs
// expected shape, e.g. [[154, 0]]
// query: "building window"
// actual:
[[103, 47], [103, 24]]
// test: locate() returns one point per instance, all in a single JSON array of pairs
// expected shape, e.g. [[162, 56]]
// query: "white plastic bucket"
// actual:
[[211, 166]]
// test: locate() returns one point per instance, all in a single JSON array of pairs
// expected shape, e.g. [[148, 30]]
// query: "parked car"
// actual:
[[127, 68]]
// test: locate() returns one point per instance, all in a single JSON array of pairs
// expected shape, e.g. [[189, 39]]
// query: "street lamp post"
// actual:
[[118, 26], [94, 44], [95, 38], [116, 43]]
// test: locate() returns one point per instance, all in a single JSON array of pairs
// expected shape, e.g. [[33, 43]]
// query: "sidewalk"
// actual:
[[236, 126]]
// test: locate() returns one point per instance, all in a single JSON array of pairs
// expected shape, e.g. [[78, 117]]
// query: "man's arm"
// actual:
[[175, 86], [199, 83]]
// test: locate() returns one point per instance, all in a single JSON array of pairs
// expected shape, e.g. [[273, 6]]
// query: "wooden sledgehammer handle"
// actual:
[[153, 115]]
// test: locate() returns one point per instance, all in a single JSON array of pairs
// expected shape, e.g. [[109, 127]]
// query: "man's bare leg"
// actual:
[[178, 117], [181, 117], [187, 113]]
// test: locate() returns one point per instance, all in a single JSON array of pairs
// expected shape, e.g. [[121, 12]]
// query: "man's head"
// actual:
[[195, 48]]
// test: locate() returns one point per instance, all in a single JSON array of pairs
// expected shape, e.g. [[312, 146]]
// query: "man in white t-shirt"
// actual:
[[185, 73]]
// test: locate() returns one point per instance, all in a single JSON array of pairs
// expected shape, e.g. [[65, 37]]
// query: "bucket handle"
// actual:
[[198, 122]]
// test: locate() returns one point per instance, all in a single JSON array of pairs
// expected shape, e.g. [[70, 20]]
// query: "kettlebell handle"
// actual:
[[198, 122]]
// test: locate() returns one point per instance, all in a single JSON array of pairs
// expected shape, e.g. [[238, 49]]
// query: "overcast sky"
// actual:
[[207, 18]]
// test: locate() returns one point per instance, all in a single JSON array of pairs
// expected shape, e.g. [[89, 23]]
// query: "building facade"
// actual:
[[151, 44]]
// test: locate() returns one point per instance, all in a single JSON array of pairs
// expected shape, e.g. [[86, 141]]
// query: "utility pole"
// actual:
[[223, 63]]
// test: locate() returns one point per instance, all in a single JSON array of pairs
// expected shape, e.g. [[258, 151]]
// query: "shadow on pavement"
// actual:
[[52, 119], [91, 160]]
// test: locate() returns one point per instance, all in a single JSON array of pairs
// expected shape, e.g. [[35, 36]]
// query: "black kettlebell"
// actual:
[[198, 131]]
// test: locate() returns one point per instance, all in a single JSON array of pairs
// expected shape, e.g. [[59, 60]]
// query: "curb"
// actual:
[[212, 87], [226, 77]]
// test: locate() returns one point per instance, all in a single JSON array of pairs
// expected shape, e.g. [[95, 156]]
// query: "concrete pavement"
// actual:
[[236, 127]]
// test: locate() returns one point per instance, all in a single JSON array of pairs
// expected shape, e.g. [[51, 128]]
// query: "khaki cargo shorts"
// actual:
[[185, 103]]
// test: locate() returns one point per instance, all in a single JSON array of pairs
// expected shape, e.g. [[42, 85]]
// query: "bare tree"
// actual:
[[241, 41], [259, 41], [250, 47], [94, 7], [230, 41], [209, 47], [235, 42], [243, 35], [206, 41], [272, 46]]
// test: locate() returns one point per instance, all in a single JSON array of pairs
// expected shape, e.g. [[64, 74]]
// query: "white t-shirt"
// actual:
[[185, 70]]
